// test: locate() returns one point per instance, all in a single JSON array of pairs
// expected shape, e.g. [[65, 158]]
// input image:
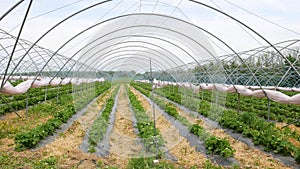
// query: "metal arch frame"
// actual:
[[258, 50], [262, 49], [185, 22], [152, 26], [171, 30], [16, 43], [138, 41], [22, 43], [123, 60], [252, 30], [94, 61], [5, 51], [62, 21], [136, 52], [291, 65], [136, 46], [32, 52], [141, 46], [144, 36], [106, 64], [151, 14], [88, 29], [79, 33], [38, 50], [11, 9]]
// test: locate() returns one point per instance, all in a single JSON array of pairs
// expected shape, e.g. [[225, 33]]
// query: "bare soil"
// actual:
[[178, 146], [123, 141]]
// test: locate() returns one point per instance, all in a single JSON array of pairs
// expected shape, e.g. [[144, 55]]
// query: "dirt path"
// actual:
[[67, 145], [123, 141], [177, 145], [248, 157]]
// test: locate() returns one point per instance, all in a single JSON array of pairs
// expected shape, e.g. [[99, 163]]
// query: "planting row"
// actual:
[[99, 127], [278, 111], [249, 124], [191, 101], [151, 137], [61, 112], [208, 97], [35, 96], [213, 144], [18, 102]]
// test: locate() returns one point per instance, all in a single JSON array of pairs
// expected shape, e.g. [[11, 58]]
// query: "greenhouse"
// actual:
[[149, 84]]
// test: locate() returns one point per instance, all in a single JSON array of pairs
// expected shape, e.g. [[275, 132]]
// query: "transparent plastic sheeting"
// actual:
[[38, 60], [169, 42], [24, 86], [273, 95]]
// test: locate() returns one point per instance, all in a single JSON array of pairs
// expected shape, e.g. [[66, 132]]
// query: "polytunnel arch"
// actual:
[[62, 21], [136, 63], [226, 14], [111, 50], [68, 40], [255, 54], [118, 17], [172, 18], [40, 54], [112, 60], [223, 13]]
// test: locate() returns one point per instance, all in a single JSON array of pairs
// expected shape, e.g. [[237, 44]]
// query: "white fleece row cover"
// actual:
[[265, 91], [24, 86]]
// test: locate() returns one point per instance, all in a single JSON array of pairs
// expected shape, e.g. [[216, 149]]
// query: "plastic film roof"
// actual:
[[168, 41], [89, 39]]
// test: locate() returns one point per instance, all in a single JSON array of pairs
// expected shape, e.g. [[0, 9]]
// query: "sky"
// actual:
[[260, 15]]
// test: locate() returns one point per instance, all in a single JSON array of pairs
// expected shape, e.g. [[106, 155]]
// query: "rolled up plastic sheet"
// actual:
[[41, 83], [278, 96], [223, 88], [287, 89], [295, 99], [55, 82], [65, 81], [21, 88], [296, 89]]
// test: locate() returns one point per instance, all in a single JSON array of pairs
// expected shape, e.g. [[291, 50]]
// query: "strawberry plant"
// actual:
[[99, 127], [152, 142], [31, 138], [214, 144]]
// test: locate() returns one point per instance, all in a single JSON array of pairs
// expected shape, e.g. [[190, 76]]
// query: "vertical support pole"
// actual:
[[268, 109], [153, 109], [202, 94], [239, 101], [15, 46], [217, 97], [46, 91], [27, 97], [57, 94]]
